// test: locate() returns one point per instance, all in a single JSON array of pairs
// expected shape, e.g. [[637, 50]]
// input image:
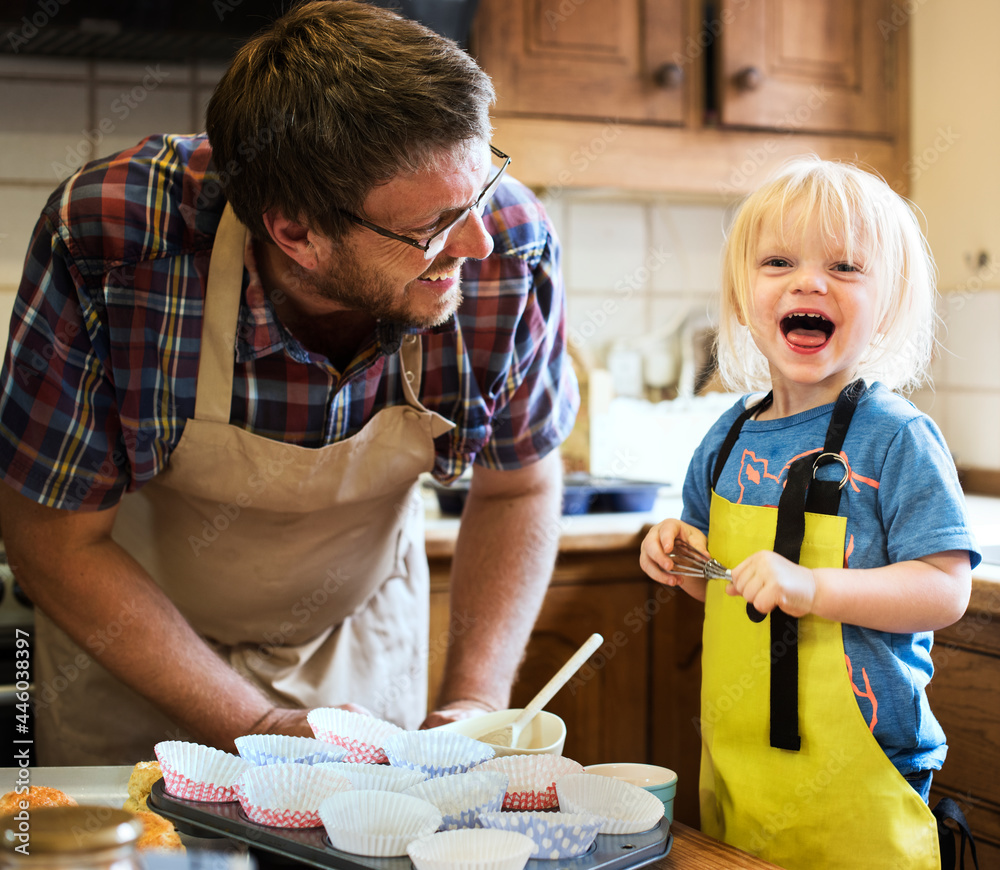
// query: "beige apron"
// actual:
[[303, 568]]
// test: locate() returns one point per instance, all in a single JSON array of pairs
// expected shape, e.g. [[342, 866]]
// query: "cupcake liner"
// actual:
[[362, 736], [375, 777], [287, 795], [532, 778], [261, 749], [627, 808], [555, 835], [436, 753], [377, 824], [471, 849], [198, 773], [463, 797]]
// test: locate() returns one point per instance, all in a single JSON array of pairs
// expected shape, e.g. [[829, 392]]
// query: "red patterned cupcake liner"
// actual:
[[181, 786], [531, 800], [280, 818], [358, 751]]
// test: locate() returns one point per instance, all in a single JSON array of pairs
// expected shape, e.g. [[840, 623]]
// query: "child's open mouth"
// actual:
[[807, 331]]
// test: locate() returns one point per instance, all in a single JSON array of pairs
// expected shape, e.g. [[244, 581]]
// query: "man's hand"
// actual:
[[281, 720], [454, 712]]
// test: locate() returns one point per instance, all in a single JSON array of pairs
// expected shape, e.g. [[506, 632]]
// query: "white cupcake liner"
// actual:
[[377, 824], [375, 777], [362, 736], [555, 835], [261, 749], [627, 808], [463, 797], [436, 753], [195, 772], [532, 778], [471, 849], [287, 795]]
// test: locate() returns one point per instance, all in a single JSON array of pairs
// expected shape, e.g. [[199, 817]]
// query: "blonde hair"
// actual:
[[872, 220]]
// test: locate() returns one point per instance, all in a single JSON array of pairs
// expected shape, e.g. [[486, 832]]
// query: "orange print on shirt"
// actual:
[[867, 693], [754, 470]]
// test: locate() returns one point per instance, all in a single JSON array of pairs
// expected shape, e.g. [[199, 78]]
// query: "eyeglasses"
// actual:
[[434, 244]]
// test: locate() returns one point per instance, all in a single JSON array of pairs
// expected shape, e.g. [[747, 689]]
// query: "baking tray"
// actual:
[[311, 847]]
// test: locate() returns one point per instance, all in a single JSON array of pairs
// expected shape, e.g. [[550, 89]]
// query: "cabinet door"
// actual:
[[605, 705], [619, 61], [807, 65]]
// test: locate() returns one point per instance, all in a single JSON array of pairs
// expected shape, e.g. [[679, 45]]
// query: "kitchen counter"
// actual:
[[618, 531], [692, 850]]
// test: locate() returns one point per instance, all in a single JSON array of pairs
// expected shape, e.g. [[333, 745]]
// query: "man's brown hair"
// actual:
[[332, 99]]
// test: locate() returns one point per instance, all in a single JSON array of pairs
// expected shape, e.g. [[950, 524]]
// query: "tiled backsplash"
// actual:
[[639, 270]]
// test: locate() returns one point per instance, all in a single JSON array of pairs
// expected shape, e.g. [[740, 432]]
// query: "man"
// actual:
[[214, 416]]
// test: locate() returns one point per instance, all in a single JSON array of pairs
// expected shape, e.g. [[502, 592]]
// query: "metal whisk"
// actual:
[[689, 562]]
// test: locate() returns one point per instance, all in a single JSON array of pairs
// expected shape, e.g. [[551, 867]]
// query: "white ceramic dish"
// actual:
[[545, 735]]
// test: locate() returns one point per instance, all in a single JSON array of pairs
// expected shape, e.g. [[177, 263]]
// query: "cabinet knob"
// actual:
[[669, 76], [748, 79]]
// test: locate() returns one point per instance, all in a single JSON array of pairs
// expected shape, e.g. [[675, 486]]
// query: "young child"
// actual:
[[836, 505]]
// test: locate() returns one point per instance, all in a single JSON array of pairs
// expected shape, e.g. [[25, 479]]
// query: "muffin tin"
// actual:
[[311, 847]]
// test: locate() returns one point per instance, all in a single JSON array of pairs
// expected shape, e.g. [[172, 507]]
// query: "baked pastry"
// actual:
[[36, 796], [157, 833], [144, 774]]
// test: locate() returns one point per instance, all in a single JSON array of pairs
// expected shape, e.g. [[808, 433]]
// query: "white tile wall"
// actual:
[[636, 268], [57, 114], [965, 400]]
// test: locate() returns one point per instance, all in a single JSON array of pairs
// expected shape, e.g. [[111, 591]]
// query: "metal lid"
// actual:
[[69, 829]]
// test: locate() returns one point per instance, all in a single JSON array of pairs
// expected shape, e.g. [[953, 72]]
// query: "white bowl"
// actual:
[[545, 735]]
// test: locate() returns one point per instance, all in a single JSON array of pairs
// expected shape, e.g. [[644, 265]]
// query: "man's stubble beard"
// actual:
[[357, 288]]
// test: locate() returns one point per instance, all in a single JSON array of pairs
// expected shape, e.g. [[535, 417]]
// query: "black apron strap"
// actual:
[[801, 493], [946, 810], [732, 436]]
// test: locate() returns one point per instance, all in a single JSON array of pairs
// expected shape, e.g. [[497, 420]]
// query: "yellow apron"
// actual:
[[837, 802], [303, 568]]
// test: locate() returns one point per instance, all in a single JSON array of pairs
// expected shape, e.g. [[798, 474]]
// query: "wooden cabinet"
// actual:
[[965, 697], [636, 699], [585, 60], [817, 65], [685, 96]]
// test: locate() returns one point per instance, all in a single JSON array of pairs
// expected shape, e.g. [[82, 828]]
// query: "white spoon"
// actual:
[[510, 734]]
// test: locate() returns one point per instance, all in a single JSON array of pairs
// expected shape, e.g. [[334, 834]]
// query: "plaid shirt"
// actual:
[[102, 360]]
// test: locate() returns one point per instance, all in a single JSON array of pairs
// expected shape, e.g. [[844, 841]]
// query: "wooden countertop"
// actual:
[[692, 850]]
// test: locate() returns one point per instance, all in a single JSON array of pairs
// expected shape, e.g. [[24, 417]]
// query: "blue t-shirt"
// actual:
[[902, 501]]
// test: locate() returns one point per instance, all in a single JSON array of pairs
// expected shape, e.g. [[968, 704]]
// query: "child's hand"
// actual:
[[768, 580], [655, 560]]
